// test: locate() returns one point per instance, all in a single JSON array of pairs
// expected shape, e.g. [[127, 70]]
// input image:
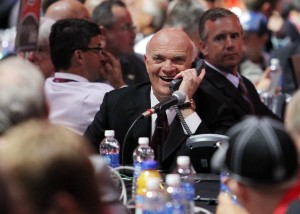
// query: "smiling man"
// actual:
[[221, 41], [169, 55]]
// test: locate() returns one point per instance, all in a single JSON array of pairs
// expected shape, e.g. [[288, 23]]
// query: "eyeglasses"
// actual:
[[97, 50]]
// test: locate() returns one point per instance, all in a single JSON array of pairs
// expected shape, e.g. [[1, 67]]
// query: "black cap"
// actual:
[[260, 152]]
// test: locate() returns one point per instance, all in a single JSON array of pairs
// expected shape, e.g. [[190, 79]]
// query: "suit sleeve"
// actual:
[[95, 131]]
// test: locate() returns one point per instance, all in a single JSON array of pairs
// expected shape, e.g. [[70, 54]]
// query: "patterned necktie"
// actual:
[[160, 134], [243, 90]]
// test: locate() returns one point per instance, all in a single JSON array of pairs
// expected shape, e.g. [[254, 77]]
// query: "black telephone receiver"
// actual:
[[198, 63]]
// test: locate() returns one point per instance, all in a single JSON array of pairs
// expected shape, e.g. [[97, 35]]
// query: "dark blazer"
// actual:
[[223, 90], [121, 107], [133, 69]]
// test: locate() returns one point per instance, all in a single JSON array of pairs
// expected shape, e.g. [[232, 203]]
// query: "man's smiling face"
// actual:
[[168, 53]]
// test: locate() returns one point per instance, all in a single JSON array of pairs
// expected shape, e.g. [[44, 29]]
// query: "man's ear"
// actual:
[[77, 57], [237, 189], [145, 61], [203, 48]]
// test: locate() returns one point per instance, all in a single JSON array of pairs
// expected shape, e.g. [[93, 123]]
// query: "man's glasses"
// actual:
[[97, 50]]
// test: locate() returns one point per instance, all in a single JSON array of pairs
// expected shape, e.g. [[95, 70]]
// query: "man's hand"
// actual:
[[190, 81], [111, 70], [189, 85]]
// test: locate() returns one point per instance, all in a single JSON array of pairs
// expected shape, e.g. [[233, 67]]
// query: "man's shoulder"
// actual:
[[131, 90]]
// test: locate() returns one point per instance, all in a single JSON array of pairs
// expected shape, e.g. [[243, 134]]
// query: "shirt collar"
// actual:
[[74, 77], [232, 78]]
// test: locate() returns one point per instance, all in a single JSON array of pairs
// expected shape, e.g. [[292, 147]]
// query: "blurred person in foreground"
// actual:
[[261, 166], [21, 93], [116, 24], [78, 58], [170, 54], [47, 169], [292, 118], [221, 44]]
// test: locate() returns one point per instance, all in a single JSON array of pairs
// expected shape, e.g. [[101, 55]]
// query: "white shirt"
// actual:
[[140, 46], [193, 120], [74, 104]]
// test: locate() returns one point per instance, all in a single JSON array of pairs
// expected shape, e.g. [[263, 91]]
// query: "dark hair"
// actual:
[[213, 15], [102, 14], [68, 35]]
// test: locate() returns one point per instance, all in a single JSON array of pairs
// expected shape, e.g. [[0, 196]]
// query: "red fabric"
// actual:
[[290, 196]]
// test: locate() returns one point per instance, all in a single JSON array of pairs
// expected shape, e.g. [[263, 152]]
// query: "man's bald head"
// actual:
[[172, 37], [66, 9]]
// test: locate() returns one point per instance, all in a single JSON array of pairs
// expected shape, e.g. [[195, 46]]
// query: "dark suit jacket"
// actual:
[[133, 69], [121, 107], [223, 90]]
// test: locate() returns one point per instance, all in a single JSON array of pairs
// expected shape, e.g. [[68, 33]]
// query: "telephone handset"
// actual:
[[198, 63]]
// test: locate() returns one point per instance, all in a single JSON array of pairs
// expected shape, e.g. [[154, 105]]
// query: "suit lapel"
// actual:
[[226, 87], [141, 103]]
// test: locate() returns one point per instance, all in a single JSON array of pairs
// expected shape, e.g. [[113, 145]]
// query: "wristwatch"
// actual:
[[188, 105]]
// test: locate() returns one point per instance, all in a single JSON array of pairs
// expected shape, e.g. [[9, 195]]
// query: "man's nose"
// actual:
[[168, 66]]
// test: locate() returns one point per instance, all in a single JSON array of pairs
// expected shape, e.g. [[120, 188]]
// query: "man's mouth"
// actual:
[[167, 79]]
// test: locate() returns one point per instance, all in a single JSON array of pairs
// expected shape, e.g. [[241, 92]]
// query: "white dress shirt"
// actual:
[[193, 120], [73, 104]]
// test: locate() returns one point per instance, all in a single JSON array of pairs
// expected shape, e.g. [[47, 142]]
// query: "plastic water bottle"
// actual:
[[174, 195], [142, 153], [110, 149], [187, 182], [149, 170], [275, 75], [154, 199]]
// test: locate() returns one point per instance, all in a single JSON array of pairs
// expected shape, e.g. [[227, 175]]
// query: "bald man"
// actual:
[[65, 9], [169, 56]]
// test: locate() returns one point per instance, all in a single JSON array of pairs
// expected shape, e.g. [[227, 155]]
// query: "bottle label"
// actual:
[[112, 160]]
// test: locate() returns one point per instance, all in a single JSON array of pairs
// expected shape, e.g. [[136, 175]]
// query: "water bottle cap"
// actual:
[[143, 141], [173, 179], [183, 160], [153, 183], [109, 133], [151, 164]]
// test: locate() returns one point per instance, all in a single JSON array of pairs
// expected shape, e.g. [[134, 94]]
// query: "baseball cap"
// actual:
[[260, 152], [254, 22]]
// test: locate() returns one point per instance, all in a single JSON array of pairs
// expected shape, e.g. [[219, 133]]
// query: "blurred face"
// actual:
[[120, 38], [169, 52], [92, 57], [223, 46], [253, 45], [41, 58]]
